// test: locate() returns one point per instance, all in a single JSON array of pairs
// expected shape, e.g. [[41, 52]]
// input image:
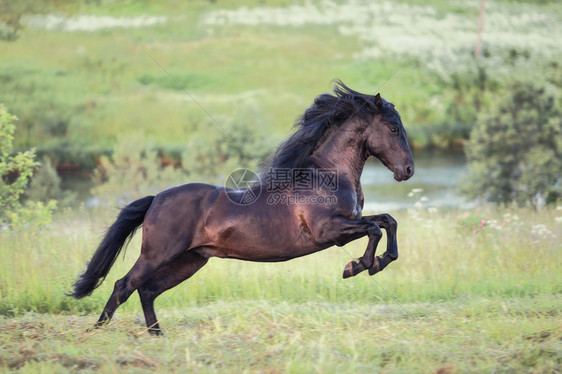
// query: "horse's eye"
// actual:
[[394, 129]]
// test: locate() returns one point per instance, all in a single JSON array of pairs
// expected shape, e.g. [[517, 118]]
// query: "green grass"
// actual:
[[438, 261], [471, 335], [456, 301]]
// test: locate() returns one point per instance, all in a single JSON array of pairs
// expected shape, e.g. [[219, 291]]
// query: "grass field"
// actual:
[[470, 335], [474, 290], [457, 300]]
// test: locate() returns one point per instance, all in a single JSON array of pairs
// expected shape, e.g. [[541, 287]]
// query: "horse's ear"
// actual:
[[378, 100]]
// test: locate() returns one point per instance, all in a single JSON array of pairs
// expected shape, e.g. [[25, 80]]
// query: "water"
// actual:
[[437, 175]]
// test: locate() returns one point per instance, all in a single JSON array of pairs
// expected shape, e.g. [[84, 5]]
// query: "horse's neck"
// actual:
[[343, 149]]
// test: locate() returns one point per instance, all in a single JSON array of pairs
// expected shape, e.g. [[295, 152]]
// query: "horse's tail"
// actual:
[[128, 221]]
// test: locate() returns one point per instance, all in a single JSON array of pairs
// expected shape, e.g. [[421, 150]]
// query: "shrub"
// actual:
[[212, 154], [515, 152], [216, 148], [45, 185], [133, 171], [15, 172], [221, 145]]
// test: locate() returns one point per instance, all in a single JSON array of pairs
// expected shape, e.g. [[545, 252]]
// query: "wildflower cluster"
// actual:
[[420, 206], [474, 224], [540, 232]]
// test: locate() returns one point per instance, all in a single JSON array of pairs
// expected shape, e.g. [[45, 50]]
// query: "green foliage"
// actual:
[[18, 168], [471, 94], [133, 171], [515, 152], [45, 185], [15, 172], [188, 81], [217, 147], [221, 145], [31, 213]]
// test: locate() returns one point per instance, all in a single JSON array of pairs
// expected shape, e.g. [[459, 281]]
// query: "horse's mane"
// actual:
[[327, 111]]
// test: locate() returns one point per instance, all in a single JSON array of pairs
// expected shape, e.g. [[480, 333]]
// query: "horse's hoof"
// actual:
[[155, 332], [375, 268], [348, 271], [93, 328]]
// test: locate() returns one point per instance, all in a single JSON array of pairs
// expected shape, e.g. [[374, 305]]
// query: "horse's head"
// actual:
[[386, 140], [363, 125]]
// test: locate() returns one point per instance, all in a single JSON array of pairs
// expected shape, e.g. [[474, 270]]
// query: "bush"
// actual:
[[133, 171], [515, 152], [471, 92], [45, 185], [15, 172], [212, 152]]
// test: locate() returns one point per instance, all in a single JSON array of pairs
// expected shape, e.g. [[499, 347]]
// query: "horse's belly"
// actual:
[[254, 241], [261, 254]]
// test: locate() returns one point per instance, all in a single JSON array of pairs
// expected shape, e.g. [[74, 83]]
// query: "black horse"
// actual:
[[184, 226]]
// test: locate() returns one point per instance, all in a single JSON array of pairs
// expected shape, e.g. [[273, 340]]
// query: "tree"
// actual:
[[15, 172], [515, 152]]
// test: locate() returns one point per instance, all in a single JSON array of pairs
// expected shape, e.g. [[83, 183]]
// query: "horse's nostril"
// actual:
[[409, 171]]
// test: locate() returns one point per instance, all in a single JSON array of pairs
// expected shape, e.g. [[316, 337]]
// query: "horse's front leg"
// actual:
[[367, 261], [341, 230], [387, 222]]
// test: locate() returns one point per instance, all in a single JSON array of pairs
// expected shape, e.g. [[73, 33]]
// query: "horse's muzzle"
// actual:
[[404, 174]]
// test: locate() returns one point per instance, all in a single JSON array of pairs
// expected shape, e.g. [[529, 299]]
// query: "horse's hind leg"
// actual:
[[168, 276], [124, 287]]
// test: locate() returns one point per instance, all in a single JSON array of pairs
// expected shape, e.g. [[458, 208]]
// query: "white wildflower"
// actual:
[[90, 23], [541, 232], [442, 43]]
